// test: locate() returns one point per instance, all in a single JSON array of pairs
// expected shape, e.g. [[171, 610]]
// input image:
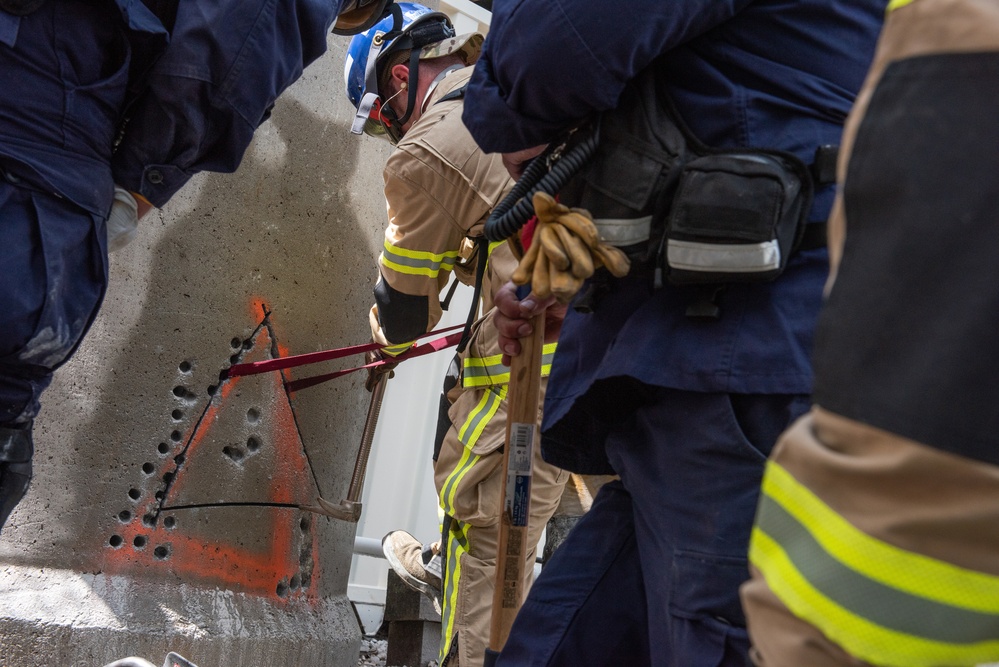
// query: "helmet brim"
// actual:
[[358, 20]]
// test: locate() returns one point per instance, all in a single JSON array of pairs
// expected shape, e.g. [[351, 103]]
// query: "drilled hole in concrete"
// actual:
[[305, 524], [236, 343], [148, 520], [179, 459], [295, 583], [248, 344], [177, 415], [234, 359], [148, 468], [124, 516], [253, 415], [282, 588], [184, 367], [170, 523], [234, 453], [252, 444], [139, 541], [134, 494], [158, 495], [175, 436], [212, 389], [116, 541], [167, 477], [163, 448], [162, 552], [180, 391]]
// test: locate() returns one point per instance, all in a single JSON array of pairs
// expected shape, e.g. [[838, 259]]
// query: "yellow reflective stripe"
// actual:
[[895, 4], [457, 545], [858, 636], [547, 355], [481, 415], [396, 350], [450, 487], [490, 371], [909, 572], [882, 604], [417, 262]]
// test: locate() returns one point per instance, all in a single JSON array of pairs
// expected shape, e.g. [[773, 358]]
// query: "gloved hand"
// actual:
[[566, 249], [376, 375], [123, 223]]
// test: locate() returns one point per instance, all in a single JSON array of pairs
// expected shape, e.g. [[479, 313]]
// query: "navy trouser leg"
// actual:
[[587, 608], [651, 575], [693, 463], [53, 273]]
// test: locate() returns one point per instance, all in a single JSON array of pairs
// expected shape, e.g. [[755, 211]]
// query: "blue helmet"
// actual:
[[409, 27]]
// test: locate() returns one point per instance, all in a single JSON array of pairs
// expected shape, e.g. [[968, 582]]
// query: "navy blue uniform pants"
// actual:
[[53, 274], [651, 575]]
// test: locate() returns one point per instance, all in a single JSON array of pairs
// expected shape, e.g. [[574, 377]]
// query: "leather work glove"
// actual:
[[565, 250], [377, 374]]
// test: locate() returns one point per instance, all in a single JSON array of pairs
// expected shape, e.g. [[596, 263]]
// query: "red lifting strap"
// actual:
[[256, 367]]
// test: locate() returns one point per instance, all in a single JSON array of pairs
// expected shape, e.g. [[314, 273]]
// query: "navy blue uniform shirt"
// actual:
[[199, 101]]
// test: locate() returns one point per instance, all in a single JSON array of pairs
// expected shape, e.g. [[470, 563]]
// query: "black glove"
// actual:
[[375, 375]]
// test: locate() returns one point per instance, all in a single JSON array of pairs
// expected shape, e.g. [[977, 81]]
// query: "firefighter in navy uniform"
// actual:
[[680, 390], [109, 108]]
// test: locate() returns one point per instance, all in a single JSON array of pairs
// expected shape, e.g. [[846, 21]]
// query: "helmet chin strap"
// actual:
[[414, 83]]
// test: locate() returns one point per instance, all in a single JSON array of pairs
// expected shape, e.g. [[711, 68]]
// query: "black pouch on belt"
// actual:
[[736, 217]]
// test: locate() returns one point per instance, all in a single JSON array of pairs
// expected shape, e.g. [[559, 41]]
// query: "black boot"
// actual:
[[16, 450]]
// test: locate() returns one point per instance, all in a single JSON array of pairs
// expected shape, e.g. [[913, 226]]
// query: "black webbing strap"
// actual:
[[481, 256]]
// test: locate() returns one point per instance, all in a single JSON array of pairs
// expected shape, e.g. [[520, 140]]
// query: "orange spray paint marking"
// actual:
[[282, 560]]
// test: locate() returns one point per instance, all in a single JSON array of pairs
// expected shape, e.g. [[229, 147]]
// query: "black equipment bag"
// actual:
[[703, 215]]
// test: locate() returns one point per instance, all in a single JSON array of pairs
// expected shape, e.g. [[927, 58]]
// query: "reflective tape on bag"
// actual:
[[723, 257], [624, 232], [882, 604]]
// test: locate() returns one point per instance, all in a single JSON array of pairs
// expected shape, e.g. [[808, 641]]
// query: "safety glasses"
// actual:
[[382, 123]]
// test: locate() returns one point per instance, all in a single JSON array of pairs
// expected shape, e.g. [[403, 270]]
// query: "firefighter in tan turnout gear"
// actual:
[[876, 537], [406, 76]]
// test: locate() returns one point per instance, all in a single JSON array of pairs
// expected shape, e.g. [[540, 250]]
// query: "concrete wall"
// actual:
[[162, 513]]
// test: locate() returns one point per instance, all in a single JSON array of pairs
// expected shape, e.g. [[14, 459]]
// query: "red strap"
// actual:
[[255, 367], [417, 351]]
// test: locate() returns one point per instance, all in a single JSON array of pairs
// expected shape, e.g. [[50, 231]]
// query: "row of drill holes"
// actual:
[[161, 552], [163, 448]]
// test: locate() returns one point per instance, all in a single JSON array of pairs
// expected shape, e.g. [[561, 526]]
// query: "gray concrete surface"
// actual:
[[162, 513]]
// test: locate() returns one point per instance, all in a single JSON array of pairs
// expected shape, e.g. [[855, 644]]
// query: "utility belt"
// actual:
[[699, 215]]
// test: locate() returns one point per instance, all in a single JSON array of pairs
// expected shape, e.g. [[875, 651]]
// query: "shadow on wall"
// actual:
[[279, 235]]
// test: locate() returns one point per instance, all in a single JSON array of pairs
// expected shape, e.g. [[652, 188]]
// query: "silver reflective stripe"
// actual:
[[624, 231], [728, 257]]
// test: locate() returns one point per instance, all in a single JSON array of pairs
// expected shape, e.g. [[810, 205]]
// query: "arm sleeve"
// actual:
[[419, 252], [202, 100], [527, 86]]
